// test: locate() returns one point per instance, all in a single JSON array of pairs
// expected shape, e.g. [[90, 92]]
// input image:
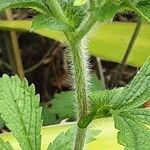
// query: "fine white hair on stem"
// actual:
[[68, 59], [86, 63], [80, 71]]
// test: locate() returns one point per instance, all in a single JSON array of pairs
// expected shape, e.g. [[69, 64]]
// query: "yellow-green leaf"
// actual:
[[106, 140], [101, 42], [79, 2]]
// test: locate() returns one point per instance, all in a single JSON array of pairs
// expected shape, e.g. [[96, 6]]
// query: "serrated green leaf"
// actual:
[[75, 15], [91, 135], [100, 100], [34, 4], [21, 112], [79, 2], [134, 95], [5, 145], [106, 140], [65, 140], [107, 11], [133, 132], [48, 21], [100, 104], [132, 121], [108, 8], [141, 114], [141, 7], [137, 92]]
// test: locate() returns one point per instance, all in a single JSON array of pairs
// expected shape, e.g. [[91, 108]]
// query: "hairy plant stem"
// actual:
[[80, 72], [80, 138], [80, 68]]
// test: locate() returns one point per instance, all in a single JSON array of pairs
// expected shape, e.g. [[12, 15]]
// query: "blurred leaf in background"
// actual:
[[48, 116], [2, 123], [63, 104]]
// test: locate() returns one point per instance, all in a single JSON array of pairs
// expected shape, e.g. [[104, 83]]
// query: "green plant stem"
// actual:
[[80, 69], [132, 42], [18, 66], [81, 134], [101, 74], [80, 72], [128, 50]]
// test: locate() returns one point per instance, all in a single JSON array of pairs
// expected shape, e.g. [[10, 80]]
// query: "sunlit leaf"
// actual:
[[34, 4], [79, 2], [47, 21], [21, 112]]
